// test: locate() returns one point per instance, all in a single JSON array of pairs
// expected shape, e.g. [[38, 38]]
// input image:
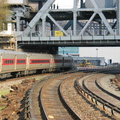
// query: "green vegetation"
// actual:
[[4, 14], [2, 107], [4, 92], [38, 78]]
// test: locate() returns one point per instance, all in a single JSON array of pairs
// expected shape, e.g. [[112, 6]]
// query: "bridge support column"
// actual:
[[118, 17], [18, 22], [75, 17], [52, 28], [43, 26], [81, 3], [74, 22]]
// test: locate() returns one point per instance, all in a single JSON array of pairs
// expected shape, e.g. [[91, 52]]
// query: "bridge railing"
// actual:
[[58, 33]]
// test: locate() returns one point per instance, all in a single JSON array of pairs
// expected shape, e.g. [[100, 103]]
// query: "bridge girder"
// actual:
[[46, 14]]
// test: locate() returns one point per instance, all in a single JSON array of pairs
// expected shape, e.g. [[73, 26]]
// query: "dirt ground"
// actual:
[[116, 81], [14, 103]]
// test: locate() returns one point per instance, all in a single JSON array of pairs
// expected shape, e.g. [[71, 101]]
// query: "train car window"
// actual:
[[58, 61], [40, 61], [8, 61], [67, 61], [21, 61]]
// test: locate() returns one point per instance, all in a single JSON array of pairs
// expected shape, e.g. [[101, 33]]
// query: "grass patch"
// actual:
[[4, 92], [2, 107], [37, 78]]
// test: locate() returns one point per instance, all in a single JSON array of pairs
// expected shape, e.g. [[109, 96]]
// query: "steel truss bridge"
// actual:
[[71, 19]]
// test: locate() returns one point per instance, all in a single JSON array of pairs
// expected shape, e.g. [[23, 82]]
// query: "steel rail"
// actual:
[[29, 113], [95, 99], [56, 100]]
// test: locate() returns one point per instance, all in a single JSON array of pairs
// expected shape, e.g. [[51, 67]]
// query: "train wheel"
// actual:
[[2, 76], [50, 70], [17, 74], [43, 71], [26, 73]]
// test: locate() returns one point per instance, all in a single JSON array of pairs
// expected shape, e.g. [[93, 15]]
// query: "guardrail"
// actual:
[[59, 33], [104, 105]]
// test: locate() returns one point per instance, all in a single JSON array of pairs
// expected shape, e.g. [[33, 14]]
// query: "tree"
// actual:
[[4, 13]]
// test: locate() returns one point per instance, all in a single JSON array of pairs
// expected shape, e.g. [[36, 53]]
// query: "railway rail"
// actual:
[[47, 100], [32, 108], [52, 102], [60, 96], [90, 87]]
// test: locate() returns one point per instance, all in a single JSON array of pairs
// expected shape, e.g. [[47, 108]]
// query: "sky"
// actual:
[[64, 3], [107, 52]]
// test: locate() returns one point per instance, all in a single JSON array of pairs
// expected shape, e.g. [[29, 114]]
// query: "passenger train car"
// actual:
[[21, 63]]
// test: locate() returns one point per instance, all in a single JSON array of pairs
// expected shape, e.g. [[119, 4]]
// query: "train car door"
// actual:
[[63, 62], [0, 62]]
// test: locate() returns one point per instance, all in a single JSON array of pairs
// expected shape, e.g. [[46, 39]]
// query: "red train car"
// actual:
[[21, 63]]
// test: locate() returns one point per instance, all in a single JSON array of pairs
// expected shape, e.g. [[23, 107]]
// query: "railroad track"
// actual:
[[90, 87], [52, 103], [55, 97], [45, 102], [33, 110]]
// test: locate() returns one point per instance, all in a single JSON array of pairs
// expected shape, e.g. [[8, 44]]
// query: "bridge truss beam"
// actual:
[[47, 15]]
